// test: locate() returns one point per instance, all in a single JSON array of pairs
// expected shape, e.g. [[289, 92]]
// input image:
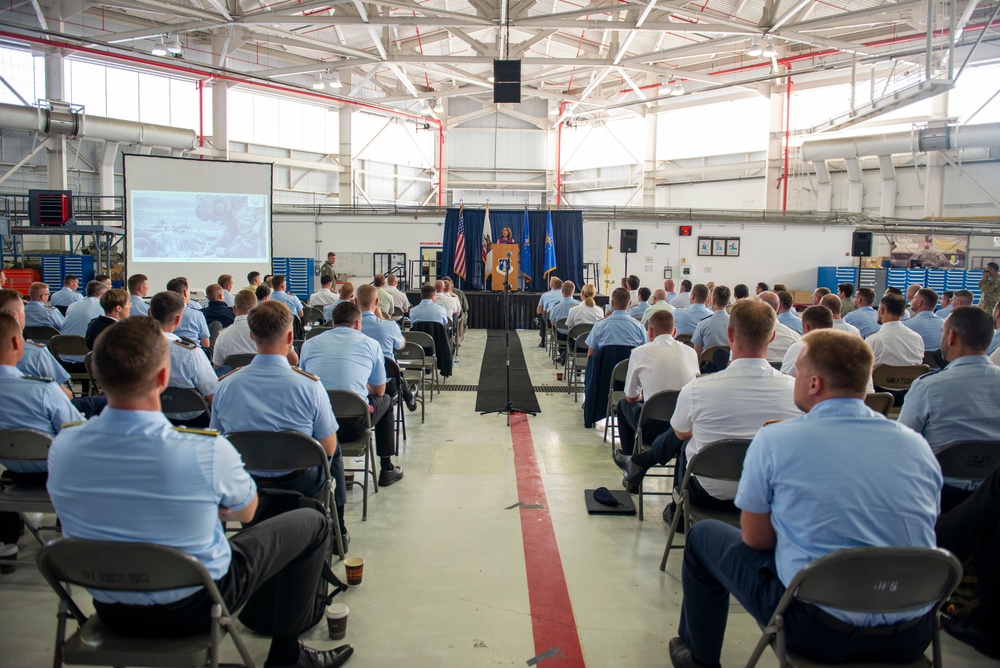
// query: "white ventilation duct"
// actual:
[[33, 119]]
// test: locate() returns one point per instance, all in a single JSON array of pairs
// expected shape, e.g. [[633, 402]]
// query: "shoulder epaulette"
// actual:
[[42, 379], [230, 373], [37, 345], [185, 344], [73, 424], [304, 373], [202, 432]]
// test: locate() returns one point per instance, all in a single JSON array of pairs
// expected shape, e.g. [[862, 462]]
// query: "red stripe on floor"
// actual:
[[552, 620]]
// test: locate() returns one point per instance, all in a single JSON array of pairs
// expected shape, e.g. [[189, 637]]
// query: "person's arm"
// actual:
[[236, 490], [757, 530], [376, 390], [292, 356], [697, 350], [329, 444], [243, 515]]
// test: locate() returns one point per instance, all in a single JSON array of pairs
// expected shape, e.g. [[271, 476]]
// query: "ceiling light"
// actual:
[[491, 78], [319, 84], [664, 87], [425, 108], [174, 46], [755, 49], [554, 110], [677, 89], [769, 50], [160, 48], [335, 80], [438, 107]]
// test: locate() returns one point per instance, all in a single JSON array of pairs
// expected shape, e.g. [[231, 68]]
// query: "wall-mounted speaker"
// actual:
[[630, 241], [861, 244]]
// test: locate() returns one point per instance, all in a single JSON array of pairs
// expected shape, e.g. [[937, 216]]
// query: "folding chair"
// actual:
[[238, 360], [616, 392], [62, 309], [177, 400], [685, 339], [88, 364], [312, 315], [316, 331], [880, 402], [288, 450], [576, 359], [131, 567], [660, 406], [214, 328], [413, 367], [719, 460], [69, 345], [969, 460], [349, 405], [715, 354], [557, 345], [40, 334], [897, 379], [393, 372], [867, 580], [28, 445], [426, 341]]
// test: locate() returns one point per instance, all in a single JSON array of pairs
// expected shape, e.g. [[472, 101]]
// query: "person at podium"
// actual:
[[506, 236]]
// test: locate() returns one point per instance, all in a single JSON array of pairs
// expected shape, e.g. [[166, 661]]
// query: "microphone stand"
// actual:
[[508, 407]]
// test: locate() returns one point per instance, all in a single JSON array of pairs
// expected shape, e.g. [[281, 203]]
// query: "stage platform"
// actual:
[[486, 308]]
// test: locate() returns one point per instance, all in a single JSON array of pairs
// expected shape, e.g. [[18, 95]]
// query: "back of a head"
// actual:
[[894, 305], [112, 299], [763, 286], [556, 283], [164, 307], [178, 285], [778, 287], [568, 288], [699, 294], [379, 280], [103, 278], [892, 290], [325, 281], [842, 360], [668, 285], [367, 295], [135, 282], [226, 281], [866, 296], [818, 317], [770, 299], [821, 292], [661, 322], [127, 356], [644, 294], [785, 299], [36, 290], [741, 291], [685, 285], [9, 299], [426, 291], [846, 289], [928, 297], [214, 292], [633, 282], [392, 280], [70, 279], [245, 300], [752, 322], [972, 325], [278, 282], [947, 294], [963, 298], [993, 265], [252, 276], [447, 283], [620, 299], [832, 302], [262, 292], [721, 295], [345, 313], [9, 329], [587, 292], [269, 322], [660, 295], [347, 290], [95, 289]]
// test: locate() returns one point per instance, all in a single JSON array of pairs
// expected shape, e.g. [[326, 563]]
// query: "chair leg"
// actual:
[[670, 536]]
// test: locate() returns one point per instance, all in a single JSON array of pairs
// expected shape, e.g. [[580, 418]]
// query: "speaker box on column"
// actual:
[[630, 241], [861, 244], [506, 81]]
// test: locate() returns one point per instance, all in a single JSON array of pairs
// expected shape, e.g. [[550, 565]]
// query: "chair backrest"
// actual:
[[279, 450], [312, 315], [62, 309], [238, 360], [685, 339], [930, 359], [897, 377], [24, 444], [88, 364], [412, 353], [182, 400], [878, 579], [214, 328], [68, 344], [578, 335], [41, 334], [660, 406], [348, 405], [620, 372], [969, 460], [423, 339], [391, 368], [316, 331], [708, 354], [560, 323], [720, 460], [880, 402]]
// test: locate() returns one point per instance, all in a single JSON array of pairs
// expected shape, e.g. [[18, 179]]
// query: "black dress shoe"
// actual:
[[346, 538], [633, 475], [970, 631], [312, 658], [668, 516], [411, 405], [388, 476], [680, 655], [621, 459]]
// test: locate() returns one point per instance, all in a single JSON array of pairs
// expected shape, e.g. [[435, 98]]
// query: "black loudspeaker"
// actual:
[[630, 241], [506, 91], [507, 81], [861, 244]]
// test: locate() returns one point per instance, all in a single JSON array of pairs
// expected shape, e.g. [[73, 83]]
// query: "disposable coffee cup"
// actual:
[[336, 620], [355, 570], [559, 375]]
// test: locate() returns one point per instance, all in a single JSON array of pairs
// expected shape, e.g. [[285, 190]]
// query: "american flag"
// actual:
[[459, 267]]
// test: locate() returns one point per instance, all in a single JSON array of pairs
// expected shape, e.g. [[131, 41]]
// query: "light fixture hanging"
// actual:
[[755, 50], [425, 108], [438, 107], [319, 84], [677, 89], [554, 110], [174, 46], [665, 87], [335, 80], [769, 50], [160, 48], [490, 78]]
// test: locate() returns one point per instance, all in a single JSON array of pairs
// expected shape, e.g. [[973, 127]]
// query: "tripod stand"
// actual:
[[508, 407]]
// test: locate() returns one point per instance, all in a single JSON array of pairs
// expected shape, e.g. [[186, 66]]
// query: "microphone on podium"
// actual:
[[508, 255]]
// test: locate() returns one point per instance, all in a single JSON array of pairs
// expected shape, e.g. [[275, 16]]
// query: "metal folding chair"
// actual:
[[70, 345], [238, 360], [349, 405], [40, 334], [412, 364], [426, 341], [615, 395], [178, 400], [660, 406], [897, 379], [394, 373], [214, 328], [576, 358], [27, 445], [969, 460], [880, 402], [316, 331]]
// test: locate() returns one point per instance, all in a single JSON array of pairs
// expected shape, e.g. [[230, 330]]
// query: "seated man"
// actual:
[[116, 306], [560, 311], [226, 283], [711, 331], [254, 281], [345, 294], [818, 295], [733, 403], [385, 299], [845, 293], [784, 336], [786, 312], [177, 485], [428, 310], [841, 476], [388, 336], [192, 326], [236, 339], [325, 295], [449, 303], [138, 287], [399, 299], [686, 318], [545, 302], [864, 317], [957, 403], [68, 294], [683, 299], [835, 304], [658, 366], [945, 306], [80, 314], [657, 302], [893, 343], [925, 322], [813, 318], [618, 329], [296, 400], [39, 314], [217, 310], [637, 310], [279, 295], [28, 402], [346, 359]]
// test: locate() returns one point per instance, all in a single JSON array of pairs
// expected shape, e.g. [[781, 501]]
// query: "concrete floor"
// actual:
[[445, 581]]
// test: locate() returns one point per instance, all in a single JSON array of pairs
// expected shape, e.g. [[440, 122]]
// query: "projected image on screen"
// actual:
[[199, 227]]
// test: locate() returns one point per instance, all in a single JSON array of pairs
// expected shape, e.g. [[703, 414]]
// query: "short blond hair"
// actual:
[[752, 322], [842, 360]]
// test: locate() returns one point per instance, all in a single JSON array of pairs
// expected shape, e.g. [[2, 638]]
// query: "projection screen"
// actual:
[[196, 218]]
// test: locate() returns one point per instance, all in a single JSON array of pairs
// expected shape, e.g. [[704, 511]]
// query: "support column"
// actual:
[[934, 190], [775, 148], [220, 118], [649, 163], [106, 174], [442, 158], [552, 160], [55, 154], [345, 189]]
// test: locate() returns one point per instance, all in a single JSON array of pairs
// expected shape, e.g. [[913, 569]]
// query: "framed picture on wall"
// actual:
[[733, 247], [704, 245], [718, 246]]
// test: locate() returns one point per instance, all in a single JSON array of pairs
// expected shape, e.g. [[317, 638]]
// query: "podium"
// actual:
[[499, 261]]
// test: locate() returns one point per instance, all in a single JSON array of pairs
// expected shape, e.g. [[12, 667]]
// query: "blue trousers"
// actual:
[[718, 563]]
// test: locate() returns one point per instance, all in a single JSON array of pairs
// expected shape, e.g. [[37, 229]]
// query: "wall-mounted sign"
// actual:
[[718, 246]]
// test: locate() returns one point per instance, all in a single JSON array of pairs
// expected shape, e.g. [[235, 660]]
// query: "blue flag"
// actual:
[[550, 248], [526, 249]]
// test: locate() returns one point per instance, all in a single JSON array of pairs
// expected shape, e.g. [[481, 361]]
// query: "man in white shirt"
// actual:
[[684, 298], [450, 304], [324, 295], [894, 344], [814, 317], [835, 304], [236, 339], [226, 283], [784, 336], [399, 299]]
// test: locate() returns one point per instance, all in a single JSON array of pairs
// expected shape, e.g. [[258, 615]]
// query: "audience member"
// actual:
[[68, 294], [104, 279], [560, 309], [944, 305], [784, 336], [226, 283], [80, 314], [683, 299], [545, 302], [138, 288], [962, 298], [116, 306], [779, 287], [253, 281], [389, 338], [192, 326], [740, 292], [262, 293], [632, 285], [345, 294], [668, 287], [894, 344], [428, 310], [845, 292], [818, 294], [324, 295], [786, 312], [189, 367], [39, 314], [36, 359], [711, 331], [761, 287], [686, 318], [160, 475], [217, 310], [618, 329], [813, 318], [399, 298], [385, 299], [834, 303], [796, 509], [586, 312], [449, 303], [864, 317], [995, 341], [657, 302], [278, 294], [639, 309], [236, 339], [924, 321]]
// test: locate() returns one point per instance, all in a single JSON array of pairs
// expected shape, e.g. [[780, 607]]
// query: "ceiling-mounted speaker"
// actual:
[[506, 81], [506, 92]]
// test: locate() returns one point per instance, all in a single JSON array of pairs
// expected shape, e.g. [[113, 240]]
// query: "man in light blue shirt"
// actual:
[[686, 319], [226, 283], [345, 294], [944, 305], [545, 303], [618, 329], [428, 310], [177, 485], [79, 314], [68, 294], [639, 309], [995, 343], [668, 287], [712, 331], [560, 310], [138, 288], [189, 366], [957, 403], [786, 312], [193, 325], [346, 359], [389, 337], [864, 317], [924, 321], [37, 313], [841, 476], [279, 295]]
